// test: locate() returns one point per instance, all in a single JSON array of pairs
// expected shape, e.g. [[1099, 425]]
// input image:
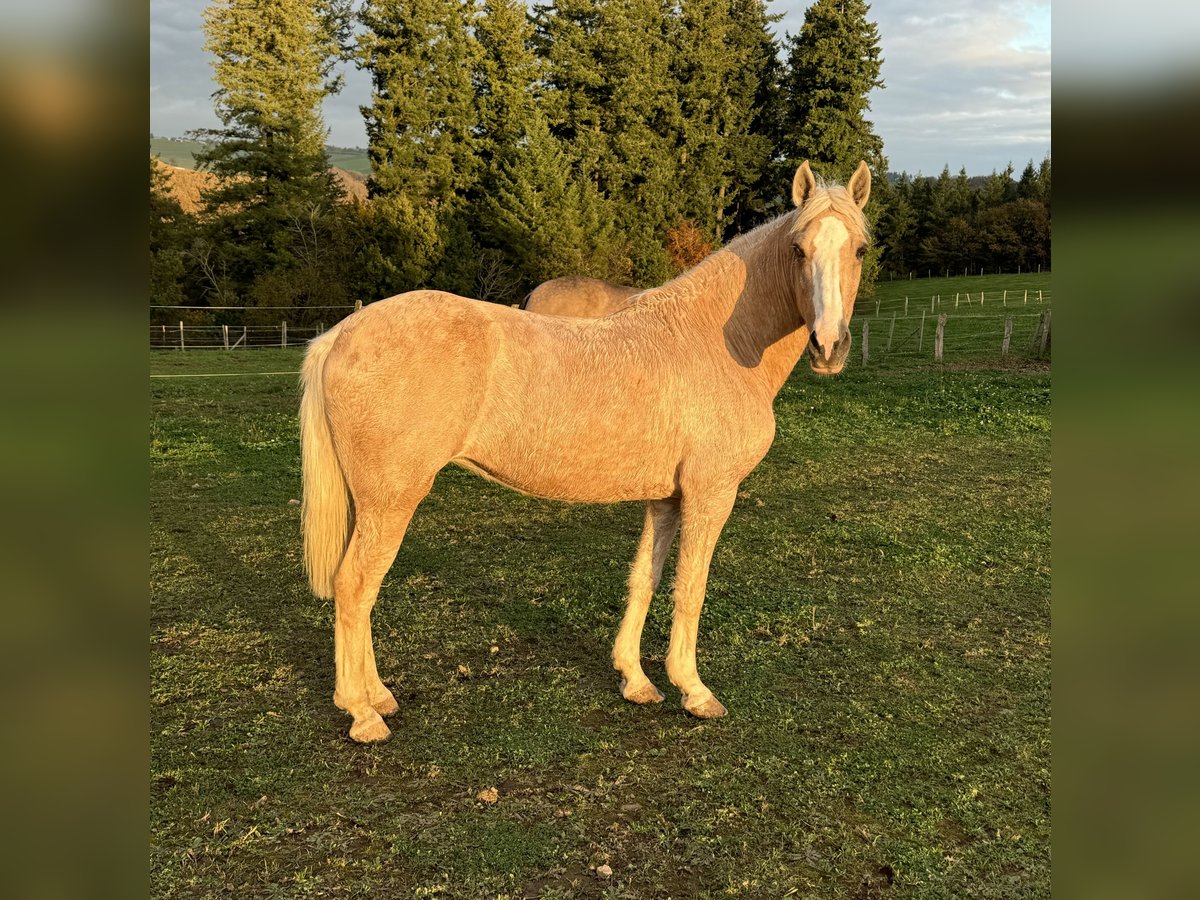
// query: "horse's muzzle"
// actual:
[[835, 361]]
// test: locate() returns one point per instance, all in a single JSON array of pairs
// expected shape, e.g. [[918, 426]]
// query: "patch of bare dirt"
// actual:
[[186, 184]]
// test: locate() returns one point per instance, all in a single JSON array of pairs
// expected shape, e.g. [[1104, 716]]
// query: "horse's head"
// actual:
[[829, 240]]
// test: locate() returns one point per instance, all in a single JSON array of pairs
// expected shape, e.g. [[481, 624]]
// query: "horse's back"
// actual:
[[580, 297]]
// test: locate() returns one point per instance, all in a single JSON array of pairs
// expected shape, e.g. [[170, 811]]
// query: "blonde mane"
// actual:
[[830, 198]]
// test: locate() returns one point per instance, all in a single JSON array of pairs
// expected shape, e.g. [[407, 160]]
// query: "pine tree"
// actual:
[[611, 99], [421, 138], [833, 64], [170, 230], [421, 119], [274, 63], [755, 82], [549, 221], [505, 79], [724, 54]]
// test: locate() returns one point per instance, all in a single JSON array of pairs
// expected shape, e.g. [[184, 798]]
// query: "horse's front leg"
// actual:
[[703, 516], [662, 524]]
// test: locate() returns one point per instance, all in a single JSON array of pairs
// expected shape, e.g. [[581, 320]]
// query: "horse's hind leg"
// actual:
[[662, 524], [378, 533]]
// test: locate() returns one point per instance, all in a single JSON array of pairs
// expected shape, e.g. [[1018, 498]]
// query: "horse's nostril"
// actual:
[[812, 339]]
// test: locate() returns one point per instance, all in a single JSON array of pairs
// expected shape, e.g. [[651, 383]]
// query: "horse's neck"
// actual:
[[741, 300]]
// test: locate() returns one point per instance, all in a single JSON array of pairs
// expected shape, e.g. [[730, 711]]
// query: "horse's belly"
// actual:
[[580, 477]]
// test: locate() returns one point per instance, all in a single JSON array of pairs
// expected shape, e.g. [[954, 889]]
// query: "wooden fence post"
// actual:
[[225, 335], [931, 301], [876, 307], [1004, 301], [1039, 296], [956, 301], [905, 308], [921, 333], [1007, 337], [939, 339], [866, 331], [283, 334], [892, 331], [1045, 334], [1025, 302], [181, 347], [357, 305]]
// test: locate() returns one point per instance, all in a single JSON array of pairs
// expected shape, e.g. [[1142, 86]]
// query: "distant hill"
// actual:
[[186, 184], [182, 153]]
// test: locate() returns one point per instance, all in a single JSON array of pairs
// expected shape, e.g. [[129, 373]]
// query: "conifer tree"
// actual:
[[421, 118], [421, 137], [505, 79], [724, 52], [755, 82], [274, 62], [833, 64], [549, 221], [170, 229], [611, 100]]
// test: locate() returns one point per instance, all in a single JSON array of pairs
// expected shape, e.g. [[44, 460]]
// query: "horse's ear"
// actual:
[[803, 184], [860, 185]]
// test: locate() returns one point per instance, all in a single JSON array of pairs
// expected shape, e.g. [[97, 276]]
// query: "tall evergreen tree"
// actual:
[[549, 221], [610, 97], [755, 81], [421, 134], [724, 53], [274, 62], [421, 118], [170, 231], [505, 79], [833, 65]]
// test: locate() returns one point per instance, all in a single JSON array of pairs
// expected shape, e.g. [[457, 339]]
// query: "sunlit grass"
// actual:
[[877, 622]]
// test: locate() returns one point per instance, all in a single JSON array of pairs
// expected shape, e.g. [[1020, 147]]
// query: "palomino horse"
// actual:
[[668, 401], [575, 295]]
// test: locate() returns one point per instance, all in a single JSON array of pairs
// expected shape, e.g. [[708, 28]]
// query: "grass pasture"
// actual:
[[902, 318], [877, 623]]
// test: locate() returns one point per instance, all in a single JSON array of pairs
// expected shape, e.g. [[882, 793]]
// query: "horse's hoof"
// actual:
[[711, 708], [370, 730], [647, 693], [386, 705]]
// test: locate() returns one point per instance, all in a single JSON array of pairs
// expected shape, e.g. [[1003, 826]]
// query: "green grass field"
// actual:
[[902, 317], [878, 623], [182, 152]]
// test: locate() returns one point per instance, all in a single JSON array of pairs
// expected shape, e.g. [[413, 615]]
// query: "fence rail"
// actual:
[[887, 332], [944, 337], [963, 302]]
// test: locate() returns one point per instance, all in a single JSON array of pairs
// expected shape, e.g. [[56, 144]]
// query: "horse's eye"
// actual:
[[797, 251], [862, 251]]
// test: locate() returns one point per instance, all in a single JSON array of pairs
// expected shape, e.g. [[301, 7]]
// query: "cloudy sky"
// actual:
[[968, 81]]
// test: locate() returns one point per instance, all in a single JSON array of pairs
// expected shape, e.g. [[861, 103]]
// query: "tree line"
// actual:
[[623, 139]]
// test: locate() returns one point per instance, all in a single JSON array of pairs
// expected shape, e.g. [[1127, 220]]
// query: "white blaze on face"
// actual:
[[827, 282]]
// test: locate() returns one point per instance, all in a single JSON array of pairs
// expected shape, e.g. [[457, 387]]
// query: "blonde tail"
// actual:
[[326, 511]]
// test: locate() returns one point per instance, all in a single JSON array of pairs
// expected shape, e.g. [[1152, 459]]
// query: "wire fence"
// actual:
[[915, 331], [962, 303], [925, 339], [232, 337]]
